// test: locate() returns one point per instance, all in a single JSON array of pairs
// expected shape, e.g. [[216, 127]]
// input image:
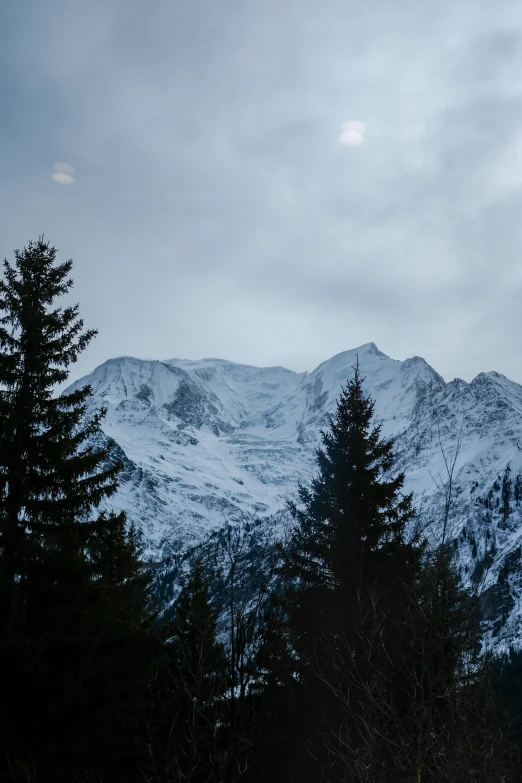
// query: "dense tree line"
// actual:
[[355, 656]]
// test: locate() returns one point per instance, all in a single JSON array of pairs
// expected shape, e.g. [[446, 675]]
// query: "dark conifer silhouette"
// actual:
[[73, 596], [349, 549], [188, 695], [350, 531]]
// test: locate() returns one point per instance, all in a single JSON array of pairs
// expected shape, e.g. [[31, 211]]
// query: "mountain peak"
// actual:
[[367, 349]]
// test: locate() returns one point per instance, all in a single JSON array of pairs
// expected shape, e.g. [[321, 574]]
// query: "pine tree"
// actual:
[[244, 569], [198, 653], [276, 699], [274, 659], [188, 695], [73, 596], [117, 626], [351, 529], [348, 553]]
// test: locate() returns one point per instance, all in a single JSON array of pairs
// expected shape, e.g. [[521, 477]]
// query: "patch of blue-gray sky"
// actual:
[[217, 204]]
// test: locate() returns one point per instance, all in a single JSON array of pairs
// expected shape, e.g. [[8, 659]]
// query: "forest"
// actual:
[[354, 655]]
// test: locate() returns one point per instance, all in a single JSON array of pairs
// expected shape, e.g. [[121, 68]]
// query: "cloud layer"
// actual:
[[274, 182]]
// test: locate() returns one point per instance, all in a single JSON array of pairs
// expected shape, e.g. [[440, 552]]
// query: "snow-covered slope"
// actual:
[[208, 441]]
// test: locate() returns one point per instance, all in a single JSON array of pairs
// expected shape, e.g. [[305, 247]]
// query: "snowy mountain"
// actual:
[[208, 441]]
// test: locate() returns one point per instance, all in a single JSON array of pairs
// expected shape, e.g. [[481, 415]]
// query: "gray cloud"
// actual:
[[214, 211]]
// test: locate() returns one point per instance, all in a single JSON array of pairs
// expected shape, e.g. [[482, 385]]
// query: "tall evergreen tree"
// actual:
[[349, 548], [188, 695], [276, 701], [73, 596], [350, 530], [197, 651]]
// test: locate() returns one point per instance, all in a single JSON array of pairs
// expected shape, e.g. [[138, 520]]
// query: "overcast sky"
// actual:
[[273, 182]]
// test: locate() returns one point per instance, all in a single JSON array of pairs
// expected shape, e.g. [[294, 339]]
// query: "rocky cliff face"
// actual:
[[208, 441]]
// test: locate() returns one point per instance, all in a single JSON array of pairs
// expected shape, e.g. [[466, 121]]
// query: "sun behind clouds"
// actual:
[[63, 173], [352, 133]]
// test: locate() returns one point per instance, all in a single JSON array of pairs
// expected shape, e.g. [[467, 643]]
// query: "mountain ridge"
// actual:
[[210, 440]]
